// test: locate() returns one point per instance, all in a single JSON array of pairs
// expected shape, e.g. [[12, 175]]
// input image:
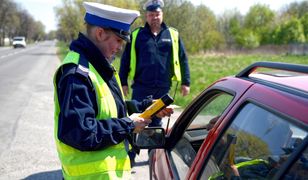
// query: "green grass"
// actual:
[[205, 70], [62, 49]]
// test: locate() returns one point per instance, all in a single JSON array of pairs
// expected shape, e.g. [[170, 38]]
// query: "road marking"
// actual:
[[16, 52]]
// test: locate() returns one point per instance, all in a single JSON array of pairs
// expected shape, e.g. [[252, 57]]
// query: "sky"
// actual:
[[43, 10]]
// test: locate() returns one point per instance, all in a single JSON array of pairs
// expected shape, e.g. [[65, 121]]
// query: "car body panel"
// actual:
[[300, 82], [231, 85], [274, 99], [283, 95], [162, 166]]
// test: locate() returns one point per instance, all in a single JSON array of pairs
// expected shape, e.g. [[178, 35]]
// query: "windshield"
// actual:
[[18, 39]]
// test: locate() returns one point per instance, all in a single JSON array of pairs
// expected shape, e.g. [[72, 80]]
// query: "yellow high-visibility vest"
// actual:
[[109, 163], [175, 54]]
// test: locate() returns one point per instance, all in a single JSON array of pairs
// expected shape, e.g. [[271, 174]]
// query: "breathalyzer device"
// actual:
[[158, 105]]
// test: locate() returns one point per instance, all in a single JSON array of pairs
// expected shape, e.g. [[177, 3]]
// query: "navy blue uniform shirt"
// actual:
[[78, 126], [154, 65]]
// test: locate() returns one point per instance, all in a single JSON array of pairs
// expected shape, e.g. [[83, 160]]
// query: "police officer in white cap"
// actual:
[[92, 129]]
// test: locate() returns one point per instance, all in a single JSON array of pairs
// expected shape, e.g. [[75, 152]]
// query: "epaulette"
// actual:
[[83, 67], [82, 70]]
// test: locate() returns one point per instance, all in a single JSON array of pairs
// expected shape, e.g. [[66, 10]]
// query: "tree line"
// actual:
[[200, 29], [16, 21]]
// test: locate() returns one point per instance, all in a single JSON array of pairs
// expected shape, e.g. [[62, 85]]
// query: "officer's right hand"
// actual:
[[140, 123], [125, 90]]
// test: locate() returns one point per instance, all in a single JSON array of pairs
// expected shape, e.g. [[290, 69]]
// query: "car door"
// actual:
[[190, 130], [256, 145], [263, 136]]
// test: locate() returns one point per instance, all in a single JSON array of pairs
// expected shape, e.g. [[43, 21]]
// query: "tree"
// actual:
[[71, 13], [304, 21], [38, 31], [230, 24], [291, 32], [70, 20], [247, 38], [8, 20], [296, 9], [260, 20], [197, 25]]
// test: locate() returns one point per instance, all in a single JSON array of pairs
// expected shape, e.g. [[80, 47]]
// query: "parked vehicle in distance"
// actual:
[[250, 126], [19, 41]]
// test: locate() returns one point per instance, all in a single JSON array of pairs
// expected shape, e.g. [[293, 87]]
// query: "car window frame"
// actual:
[[195, 109], [286, 117], [205, 96], [295, 156]]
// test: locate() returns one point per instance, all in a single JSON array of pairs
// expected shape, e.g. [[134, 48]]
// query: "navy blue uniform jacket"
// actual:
[[78, 126], [154, 60]]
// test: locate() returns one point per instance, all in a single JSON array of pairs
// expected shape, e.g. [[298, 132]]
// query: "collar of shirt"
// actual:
[[88, 50], [163, 27]]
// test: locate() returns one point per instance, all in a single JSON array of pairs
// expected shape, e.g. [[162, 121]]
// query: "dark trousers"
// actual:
[[142, 93]]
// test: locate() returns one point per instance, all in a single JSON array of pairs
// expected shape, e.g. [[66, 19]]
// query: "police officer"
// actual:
[[92, 130], [155, 56]]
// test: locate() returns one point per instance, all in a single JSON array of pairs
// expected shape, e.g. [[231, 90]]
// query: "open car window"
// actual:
[[255, 146], [184, 152]]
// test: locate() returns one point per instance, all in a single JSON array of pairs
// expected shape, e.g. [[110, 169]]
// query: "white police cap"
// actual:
[[153, 5], [117, 19]]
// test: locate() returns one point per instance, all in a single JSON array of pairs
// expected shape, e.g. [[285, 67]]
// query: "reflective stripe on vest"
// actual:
[[110, 163], [175, 54], [245, 164]]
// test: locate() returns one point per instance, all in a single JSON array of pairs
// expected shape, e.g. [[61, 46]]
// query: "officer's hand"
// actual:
[[139, 122], [125, 90], [167, 111], [185, 90]]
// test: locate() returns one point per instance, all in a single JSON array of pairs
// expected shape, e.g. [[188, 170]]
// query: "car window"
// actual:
[[184, 152], [211, 110], [254, 146]]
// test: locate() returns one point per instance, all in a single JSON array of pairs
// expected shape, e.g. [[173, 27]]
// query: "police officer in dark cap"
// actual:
[[154, 57]]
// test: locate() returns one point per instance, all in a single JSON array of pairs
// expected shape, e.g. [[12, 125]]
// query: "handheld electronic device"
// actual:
[[158, 105]]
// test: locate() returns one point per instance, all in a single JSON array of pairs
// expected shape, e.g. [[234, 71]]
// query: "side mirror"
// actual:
[[150, 138]]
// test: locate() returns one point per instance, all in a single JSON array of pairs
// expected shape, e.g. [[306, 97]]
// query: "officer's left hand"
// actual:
[[140, 123], [185, 90], [167, 111]]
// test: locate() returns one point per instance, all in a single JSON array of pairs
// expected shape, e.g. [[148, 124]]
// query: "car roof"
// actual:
[[293, 76], [299, 81]]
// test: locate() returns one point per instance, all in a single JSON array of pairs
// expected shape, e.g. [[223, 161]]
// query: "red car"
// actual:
[[250, 126]]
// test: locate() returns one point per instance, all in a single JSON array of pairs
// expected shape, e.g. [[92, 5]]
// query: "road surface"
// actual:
[[27, 148]]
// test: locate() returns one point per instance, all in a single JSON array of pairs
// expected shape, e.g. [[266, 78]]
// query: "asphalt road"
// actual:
[[27, 148]]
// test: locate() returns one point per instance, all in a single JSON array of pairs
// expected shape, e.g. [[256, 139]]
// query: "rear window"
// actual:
[[19, 39]]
